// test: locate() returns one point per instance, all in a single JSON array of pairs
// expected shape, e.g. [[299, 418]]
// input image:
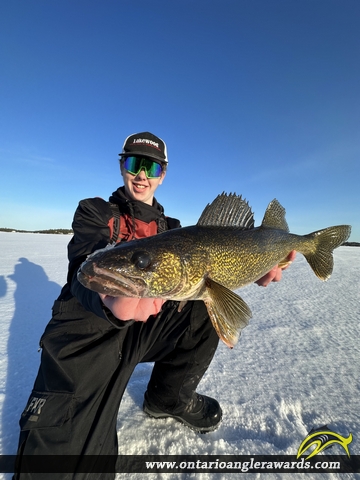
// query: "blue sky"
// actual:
[[257, 97]]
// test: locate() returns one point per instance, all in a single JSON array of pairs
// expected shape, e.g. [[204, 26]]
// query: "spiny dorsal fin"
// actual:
[[227, 211], [275, 216]]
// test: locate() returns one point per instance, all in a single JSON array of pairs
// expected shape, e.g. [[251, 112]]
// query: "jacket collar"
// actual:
[[139, 210]]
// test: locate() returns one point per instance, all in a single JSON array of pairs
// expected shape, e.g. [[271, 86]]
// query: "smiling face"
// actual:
[[139, 187]]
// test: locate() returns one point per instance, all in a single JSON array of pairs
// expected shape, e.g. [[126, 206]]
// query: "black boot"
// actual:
[[203, 414]]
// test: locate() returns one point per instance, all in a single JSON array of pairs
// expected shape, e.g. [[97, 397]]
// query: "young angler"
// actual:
[[93, 342]]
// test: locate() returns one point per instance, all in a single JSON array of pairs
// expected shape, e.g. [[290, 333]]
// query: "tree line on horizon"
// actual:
[[60, 231]]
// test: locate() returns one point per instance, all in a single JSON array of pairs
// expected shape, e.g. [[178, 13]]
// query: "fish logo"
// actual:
[[323, 438]]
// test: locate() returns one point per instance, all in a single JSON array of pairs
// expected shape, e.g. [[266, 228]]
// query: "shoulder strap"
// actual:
[[167, 223], [116, 224], [162, 225]]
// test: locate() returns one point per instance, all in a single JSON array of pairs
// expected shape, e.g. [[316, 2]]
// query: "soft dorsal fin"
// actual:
[[275, 216], [227, 211]]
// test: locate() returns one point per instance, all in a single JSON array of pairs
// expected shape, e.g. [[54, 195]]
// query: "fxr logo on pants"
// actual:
[[34, 408]]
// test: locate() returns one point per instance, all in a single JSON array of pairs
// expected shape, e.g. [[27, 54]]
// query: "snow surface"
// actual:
[[296, 366]]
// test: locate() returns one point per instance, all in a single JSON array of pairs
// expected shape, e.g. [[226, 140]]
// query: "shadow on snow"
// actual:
[[33, 298]]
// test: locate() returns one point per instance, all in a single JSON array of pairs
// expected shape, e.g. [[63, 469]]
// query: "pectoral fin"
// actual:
[[228, 312]]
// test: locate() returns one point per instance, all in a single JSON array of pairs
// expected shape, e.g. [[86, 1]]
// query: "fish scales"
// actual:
[[237, 257], [210, 260]]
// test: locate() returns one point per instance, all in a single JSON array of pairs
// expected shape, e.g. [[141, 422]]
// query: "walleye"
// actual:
[[208, 261]]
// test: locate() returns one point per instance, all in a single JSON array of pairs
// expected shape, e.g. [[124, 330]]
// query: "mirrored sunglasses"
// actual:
[[134, 165]]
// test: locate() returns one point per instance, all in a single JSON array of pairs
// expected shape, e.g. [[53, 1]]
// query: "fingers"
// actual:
[[275, 273], [138, 309], [273, 276], [288, 260]]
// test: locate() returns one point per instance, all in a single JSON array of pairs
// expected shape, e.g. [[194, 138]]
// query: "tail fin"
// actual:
[[326, 240]]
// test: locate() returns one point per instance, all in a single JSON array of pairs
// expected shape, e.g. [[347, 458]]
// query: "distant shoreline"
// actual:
[[56, 231]]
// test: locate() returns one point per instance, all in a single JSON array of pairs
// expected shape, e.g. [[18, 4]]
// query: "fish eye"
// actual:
[[141, 260]]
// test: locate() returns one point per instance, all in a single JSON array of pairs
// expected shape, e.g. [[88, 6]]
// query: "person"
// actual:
[[93, 342]]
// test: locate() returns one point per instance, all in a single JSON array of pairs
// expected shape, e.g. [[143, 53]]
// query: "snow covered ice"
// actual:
[[296, 366]]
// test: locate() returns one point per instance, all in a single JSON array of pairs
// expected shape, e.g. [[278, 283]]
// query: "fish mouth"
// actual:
[[103, 281]]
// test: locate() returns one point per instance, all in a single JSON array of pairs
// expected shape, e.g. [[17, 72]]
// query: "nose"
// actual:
[[141, 175]]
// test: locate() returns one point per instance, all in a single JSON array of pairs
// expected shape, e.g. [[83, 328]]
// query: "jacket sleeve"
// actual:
[[91, 232]]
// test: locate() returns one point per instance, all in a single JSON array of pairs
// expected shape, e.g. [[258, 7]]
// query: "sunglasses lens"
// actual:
[[135, 164], [154, 170], [132, 164]]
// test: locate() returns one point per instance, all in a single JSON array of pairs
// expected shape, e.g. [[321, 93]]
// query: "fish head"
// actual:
[[133, 269]]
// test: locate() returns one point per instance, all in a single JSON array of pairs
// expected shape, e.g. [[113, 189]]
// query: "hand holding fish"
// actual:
[[127, 308], [275, 273]]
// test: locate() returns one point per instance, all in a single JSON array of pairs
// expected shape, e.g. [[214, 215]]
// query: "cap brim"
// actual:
[[157, 159]]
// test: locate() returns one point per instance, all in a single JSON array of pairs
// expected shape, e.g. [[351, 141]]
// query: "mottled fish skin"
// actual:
[[210, 260]]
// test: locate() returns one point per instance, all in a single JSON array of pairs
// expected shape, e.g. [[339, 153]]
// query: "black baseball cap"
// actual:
[[145, 143]]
